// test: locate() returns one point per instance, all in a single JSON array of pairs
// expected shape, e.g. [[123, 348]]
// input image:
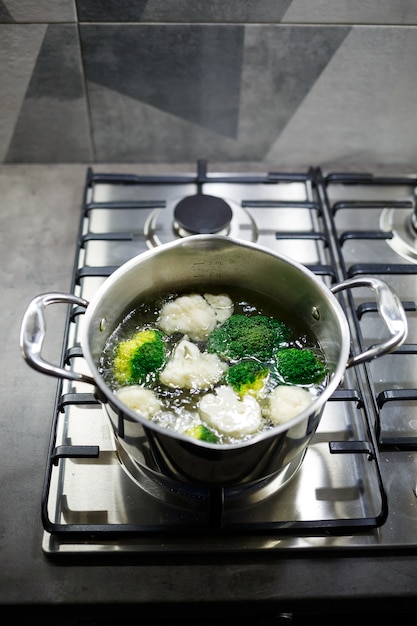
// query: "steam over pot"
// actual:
[[188, 264]]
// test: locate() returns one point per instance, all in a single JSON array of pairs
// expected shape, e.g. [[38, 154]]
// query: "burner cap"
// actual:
[[202, 214]]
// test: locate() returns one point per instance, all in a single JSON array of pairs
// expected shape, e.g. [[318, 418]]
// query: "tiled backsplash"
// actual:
[[286, 82]]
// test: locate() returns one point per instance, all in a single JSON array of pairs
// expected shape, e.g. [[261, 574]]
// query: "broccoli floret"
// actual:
[[139, 357], [246, 377], [202, 433], [242, 336], [300, 366]]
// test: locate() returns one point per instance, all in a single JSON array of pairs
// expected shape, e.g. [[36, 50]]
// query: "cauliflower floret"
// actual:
[[222, 305], [178, 420], [227, 413], [139, 399], [189, 368], [286, 402], [191, 315]]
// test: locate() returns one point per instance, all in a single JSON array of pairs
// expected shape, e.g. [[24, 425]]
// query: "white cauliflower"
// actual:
[[286, 402], [189, 368], [194, 315], [227, 413], [222, 305], [179, 420], [139, 399]]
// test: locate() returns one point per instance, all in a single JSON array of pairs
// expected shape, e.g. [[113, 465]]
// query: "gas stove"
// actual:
[[356, 487]]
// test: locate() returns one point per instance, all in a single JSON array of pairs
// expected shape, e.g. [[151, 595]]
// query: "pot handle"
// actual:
[[391, 311], [33, 332]]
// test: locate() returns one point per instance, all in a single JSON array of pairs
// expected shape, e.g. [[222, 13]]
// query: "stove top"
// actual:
[[356, 487]]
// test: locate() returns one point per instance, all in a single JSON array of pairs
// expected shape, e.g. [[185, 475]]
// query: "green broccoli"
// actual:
[[202, 433], [247, 336], [139, 357], [246, 377], [300, 366]]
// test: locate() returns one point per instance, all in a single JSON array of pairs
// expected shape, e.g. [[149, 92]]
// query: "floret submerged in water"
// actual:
[[189, 368], [139, 357], [202, 433], [229, 414], [285, 402], [300, 366], [140, 399], [222, 305], [194, 315], [247, 377], [243, 336]]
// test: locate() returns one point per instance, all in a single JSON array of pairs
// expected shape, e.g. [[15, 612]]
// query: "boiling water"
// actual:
[[179, 411]]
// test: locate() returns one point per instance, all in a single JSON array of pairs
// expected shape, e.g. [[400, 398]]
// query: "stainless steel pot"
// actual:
[[190, 263]]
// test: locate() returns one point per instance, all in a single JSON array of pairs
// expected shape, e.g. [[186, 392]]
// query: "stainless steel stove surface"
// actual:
[[356, 488]]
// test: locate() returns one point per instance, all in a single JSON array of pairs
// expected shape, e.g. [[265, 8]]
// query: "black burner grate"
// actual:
[[364, 435]]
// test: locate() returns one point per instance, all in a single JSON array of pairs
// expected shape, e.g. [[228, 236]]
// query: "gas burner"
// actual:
[[401, 223], [199, 214], [202, 215]]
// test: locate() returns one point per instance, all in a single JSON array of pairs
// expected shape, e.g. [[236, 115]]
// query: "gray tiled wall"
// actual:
[[288, 82]]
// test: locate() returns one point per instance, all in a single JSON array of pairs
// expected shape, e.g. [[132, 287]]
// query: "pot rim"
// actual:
[[317, 404]]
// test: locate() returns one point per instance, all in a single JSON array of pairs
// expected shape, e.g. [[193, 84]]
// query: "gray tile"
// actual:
[[111, 10], [5, 15], [281, 65], [52, 124], [19, 47], [362, 109], [189, 72], [348, 12], [163, 106], [128, 131], [46, 11], [186, 11]]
